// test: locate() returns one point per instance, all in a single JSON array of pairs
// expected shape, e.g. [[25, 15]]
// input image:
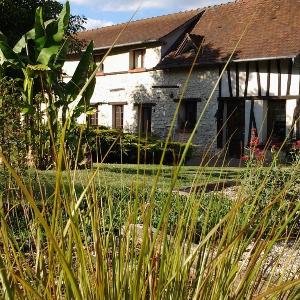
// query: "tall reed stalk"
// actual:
[[90, 241]]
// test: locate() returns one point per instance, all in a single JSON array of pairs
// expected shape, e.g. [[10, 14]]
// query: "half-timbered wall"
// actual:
[[256, 82]]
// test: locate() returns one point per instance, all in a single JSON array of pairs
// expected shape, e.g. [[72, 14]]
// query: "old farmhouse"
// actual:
[[141, 81]]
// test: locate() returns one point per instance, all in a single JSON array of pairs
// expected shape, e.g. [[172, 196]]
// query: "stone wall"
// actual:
[[162, 89]]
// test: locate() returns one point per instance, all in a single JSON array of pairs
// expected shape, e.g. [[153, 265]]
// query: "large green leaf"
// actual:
[[21, 44], [63, 22], [39, 27], [88, 93], [8, 57], [47, 54], [80, 75], [60, 58]]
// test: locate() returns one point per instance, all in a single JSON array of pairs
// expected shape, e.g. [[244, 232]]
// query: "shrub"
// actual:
[[277, 188], [114, 146]]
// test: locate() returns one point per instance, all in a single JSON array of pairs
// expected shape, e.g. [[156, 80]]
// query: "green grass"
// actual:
[[116, 175]]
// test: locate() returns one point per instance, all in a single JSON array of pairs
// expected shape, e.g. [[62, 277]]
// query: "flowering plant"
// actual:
[[254, 153], [293, 154]]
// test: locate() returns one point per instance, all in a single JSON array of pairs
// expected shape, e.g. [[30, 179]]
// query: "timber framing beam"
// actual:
[[289, 81], [258, 79], [290, 97], [268, 78]]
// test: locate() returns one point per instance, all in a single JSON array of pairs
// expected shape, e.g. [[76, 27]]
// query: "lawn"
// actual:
[[117, 175]]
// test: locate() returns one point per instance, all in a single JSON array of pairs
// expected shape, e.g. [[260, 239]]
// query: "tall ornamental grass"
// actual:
[[96, 242], [116, 243]]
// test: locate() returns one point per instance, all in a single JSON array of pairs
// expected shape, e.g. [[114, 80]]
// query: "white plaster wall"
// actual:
[[70, 67], [233, 82], [290, 107], [260, 113], [252, 84], [152, 57], [117, 63], [242, 78]]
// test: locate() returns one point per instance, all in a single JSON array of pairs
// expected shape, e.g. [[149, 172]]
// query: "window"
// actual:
[[277, 121], [187, 116], [118, 112], [93, 119], [97, 59], [137, 59], [145, 115]]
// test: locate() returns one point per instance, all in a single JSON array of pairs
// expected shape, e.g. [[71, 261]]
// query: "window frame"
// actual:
[[114, 116], [94, 116], [183, 116], [133, 54], [97, 59]]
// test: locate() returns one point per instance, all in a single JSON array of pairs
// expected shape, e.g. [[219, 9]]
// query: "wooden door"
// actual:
[[235, 127]]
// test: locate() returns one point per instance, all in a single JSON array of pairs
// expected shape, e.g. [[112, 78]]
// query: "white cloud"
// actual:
[[130, 5], [96, 23]]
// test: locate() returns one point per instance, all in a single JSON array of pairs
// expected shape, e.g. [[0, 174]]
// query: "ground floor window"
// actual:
[[93, 119], [118, 116], [187, 116], [145, 116], [276, 121]]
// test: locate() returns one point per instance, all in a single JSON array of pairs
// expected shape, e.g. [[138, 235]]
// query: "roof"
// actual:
[[273, 30], [140, 31]]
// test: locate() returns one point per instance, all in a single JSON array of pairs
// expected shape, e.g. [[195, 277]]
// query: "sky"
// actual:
[[107, 12]]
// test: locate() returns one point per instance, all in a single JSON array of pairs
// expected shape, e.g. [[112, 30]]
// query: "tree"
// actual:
[[18, 16], [38, 58]]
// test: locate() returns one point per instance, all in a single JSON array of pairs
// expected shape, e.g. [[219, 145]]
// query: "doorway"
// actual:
[[235, 132]]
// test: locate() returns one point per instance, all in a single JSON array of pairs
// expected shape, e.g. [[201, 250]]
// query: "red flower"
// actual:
[[296, 145], [259, 155], [254, 142], [245, 158]]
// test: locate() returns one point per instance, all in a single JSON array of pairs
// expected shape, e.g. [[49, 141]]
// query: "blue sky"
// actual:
[[107, 12]]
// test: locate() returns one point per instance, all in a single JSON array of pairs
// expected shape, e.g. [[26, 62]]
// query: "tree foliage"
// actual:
[[12, 133], [37, 60], [18, 16]]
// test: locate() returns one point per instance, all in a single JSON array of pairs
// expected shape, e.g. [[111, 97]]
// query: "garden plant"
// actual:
[[83, 236]]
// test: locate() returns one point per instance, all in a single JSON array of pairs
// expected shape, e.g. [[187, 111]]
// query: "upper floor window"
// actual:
[[97, 59], [187, 116], [137, 59]]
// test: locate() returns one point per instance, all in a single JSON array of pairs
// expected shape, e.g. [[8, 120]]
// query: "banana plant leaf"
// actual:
[[8, 58], [22, 43], [62, 23], [61, 55], [47, 54], [74, 86], [39, 28]]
